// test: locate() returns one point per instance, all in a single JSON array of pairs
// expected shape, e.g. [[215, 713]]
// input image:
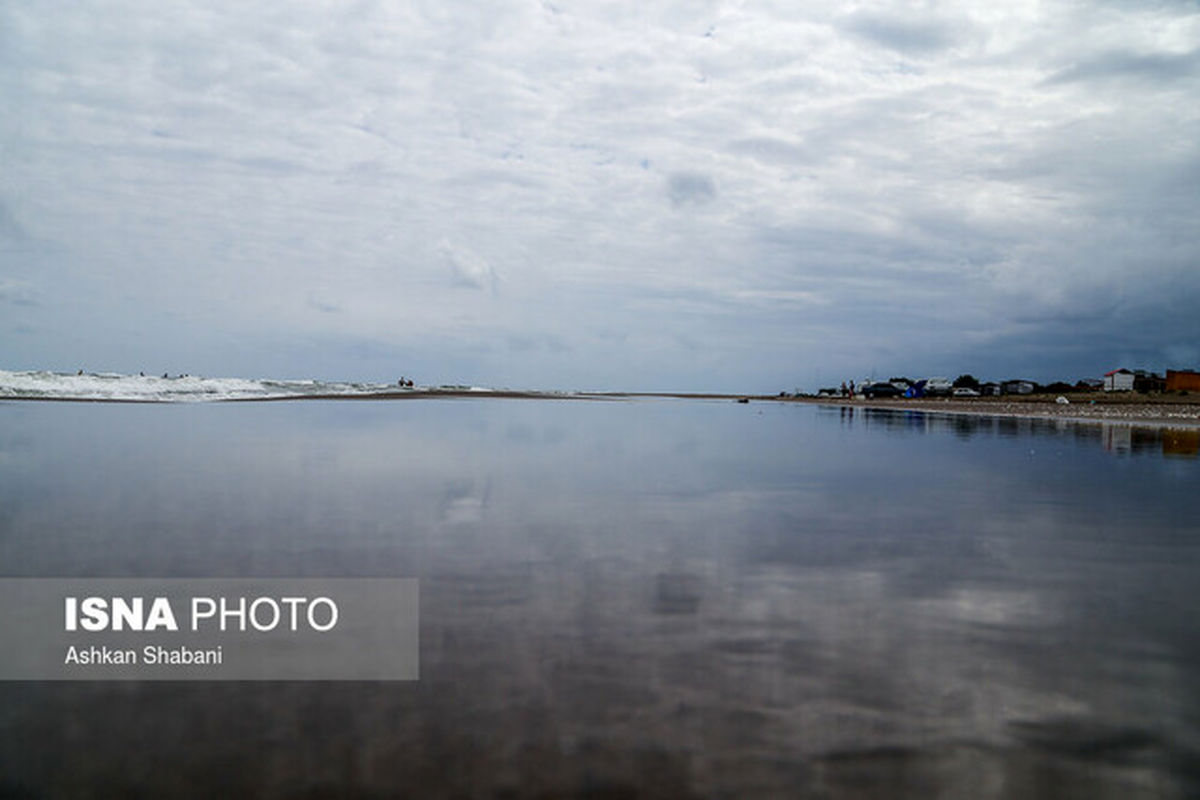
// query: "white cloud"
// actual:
[[760, 175], [468, 268]]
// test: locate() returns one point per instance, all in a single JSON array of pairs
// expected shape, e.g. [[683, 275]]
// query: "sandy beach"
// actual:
[[1157, 410], [1128, 408]]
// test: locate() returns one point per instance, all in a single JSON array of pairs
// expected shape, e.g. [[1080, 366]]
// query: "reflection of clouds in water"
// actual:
[[792, 605], [994, 607], [463, 510], [677, 593], [464, 504]]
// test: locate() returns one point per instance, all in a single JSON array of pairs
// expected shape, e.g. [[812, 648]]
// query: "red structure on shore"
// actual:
[[1183, 380]]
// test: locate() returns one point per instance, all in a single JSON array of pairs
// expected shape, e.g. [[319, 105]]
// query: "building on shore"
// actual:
[[1145, 381], [1119, 380], [1183, 380]]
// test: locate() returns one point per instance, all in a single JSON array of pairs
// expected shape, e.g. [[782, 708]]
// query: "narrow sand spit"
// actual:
[[1155, 411]]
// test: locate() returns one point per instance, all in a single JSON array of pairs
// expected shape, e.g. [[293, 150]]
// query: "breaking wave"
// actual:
[[183, 388]]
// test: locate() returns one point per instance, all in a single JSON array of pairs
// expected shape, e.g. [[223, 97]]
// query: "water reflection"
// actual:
[[1120, 438], [632, 600]]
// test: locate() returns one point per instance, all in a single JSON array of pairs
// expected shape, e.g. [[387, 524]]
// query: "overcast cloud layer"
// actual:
[[686, 195]]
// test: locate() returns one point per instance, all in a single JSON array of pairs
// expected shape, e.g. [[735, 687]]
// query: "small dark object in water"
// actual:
[[743, 399]]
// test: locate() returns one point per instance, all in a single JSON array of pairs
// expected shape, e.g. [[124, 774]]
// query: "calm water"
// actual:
[[634, 599]]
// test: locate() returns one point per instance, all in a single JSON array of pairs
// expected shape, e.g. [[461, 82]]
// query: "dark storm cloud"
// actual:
[[1130, 332]]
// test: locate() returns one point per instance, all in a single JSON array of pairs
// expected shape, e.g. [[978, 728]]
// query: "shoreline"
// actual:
[[1159, 413], [1156, 411]]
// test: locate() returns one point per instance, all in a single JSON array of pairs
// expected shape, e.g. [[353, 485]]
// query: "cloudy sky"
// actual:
[[742, 196]]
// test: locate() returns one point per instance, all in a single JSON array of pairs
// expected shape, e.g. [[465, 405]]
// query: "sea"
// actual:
[[629, 598], [185, 388]]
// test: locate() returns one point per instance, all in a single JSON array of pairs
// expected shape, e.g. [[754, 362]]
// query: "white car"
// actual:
[[938, 386], [965, 391]]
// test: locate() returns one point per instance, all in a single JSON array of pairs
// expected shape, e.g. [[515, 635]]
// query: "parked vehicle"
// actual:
[[966, 391], [935, 387], [871, 391], [1017, 387]]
